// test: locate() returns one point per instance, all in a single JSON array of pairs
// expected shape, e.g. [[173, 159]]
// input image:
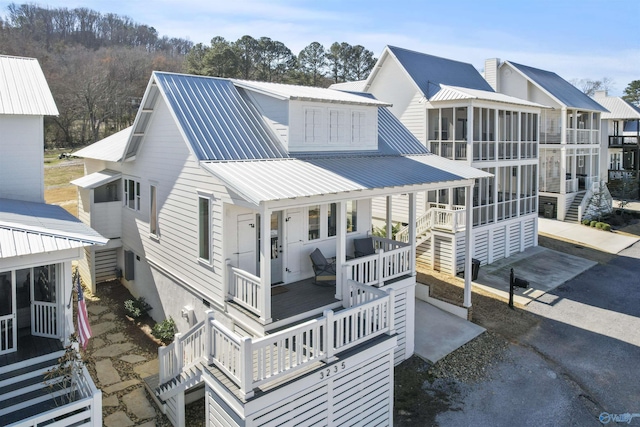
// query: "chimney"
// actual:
[[600, 94], [491, 72]]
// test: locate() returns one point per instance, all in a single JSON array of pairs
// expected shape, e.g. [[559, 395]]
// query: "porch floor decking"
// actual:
[[300, 297], [30, 347]]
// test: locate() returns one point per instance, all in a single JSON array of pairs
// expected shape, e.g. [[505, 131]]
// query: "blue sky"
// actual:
[[577, 39]]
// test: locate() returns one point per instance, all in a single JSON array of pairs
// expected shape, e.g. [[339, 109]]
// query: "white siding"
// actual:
[[481, 246], [105, 263], [514, 238], [276, 112], [22, 159], [414, 117]]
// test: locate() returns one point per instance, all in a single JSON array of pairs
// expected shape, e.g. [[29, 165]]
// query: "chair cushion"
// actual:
[[318, 259], [363, 247]]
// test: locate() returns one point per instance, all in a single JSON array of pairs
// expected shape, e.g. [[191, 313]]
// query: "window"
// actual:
[[204, 228], [358, 133], [312, 125], [332, 220], [129, 268], [153, 210], [314, 222], [352, 216], [132, 194]]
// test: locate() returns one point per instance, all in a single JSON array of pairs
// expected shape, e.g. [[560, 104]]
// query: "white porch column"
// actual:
[[65, 319], [412, 230], [470, 133], [341, 245], [264, 303], [389, 225], [468, 242]]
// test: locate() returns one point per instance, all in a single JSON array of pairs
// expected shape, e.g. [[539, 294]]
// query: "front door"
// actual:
[[294, 244], [44, 306], [276, 247], [8, 325]]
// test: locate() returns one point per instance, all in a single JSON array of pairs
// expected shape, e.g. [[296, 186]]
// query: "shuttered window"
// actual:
[[312, 125]]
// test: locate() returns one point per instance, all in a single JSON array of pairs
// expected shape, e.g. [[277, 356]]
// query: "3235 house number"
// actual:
[[326, 373]]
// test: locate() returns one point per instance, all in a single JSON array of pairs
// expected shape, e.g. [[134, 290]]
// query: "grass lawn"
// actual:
[[57, 175]]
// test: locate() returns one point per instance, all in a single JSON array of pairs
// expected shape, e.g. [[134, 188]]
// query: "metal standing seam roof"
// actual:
[[451, 93], [23, 88], [28, 228], [96, 179], [429, 72], [218, 123], [559, 88], [260, 181], [355, 86], [619, 109], [308, 93], [110, 149]]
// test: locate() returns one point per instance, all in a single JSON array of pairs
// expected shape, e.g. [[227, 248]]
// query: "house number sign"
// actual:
[[326, 373]]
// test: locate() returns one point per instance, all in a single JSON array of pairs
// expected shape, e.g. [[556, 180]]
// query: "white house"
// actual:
[[454, 112], [621, 141], [38, 242], [570, 160], [210, 168]]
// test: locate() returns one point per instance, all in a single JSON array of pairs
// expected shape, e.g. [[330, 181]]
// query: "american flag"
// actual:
[[84, 330]]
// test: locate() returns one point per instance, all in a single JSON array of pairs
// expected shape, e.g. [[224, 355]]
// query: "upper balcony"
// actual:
[[619, 141]]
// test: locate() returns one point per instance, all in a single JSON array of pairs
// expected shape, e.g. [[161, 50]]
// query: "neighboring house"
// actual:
[[38, 242], [570, 159], [224, 189], [454, 112], [621, 140]]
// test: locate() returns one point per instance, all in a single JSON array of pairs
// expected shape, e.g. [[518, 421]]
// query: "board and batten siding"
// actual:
[[357, 389], [164, 160], [22, 160]]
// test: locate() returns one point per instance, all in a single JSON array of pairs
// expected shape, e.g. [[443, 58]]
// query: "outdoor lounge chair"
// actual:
[[325, 271], [363, 247]]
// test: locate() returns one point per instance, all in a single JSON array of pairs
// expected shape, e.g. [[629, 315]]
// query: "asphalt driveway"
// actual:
[[581, 360]]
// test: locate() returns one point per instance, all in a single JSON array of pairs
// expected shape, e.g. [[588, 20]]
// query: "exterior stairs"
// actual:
[[572, 213], [23, 392]]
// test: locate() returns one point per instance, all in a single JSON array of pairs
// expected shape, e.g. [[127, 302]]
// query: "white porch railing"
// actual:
[[244, 289], [86, 410], [382, 266], [251, 362], [185, 351], [44, 318], [571, 185], [442, 218]]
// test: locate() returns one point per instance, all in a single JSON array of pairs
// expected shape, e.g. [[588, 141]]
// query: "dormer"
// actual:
[[309, 119]]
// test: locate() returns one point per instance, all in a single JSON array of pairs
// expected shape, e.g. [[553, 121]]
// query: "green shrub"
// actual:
[[606, 227], [586, 222], [599, 225], [136, 308], [165, 330], [593, 223]]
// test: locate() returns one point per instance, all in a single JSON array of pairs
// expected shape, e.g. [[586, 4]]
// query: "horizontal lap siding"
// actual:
[[499, 243], [400, 321], [308, 409], [529, 233], [481, 246], [460, 252], [443, 253], [514, 238]]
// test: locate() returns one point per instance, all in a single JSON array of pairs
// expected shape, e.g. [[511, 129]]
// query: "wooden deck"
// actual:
[[299, 297], [30, 347]]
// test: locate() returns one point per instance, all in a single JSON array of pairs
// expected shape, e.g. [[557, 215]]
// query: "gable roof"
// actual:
[[448, 93], [110, 149], [557, 87], [216, 120], [28, 228], [262, 181], [307, 93], [618, 108], [429, 72], [23, 88]]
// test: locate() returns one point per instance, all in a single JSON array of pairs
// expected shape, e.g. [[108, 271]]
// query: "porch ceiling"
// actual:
[[262, 181]]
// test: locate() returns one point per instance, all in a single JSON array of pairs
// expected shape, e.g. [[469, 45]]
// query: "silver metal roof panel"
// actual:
[[28, 228], [261, 181], [218, 123], [110, 149], [23, 88], [453, 93], [619, 109], [559, 88], [96, 179]]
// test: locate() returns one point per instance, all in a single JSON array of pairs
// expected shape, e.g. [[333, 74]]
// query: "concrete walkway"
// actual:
[[598, 239], [438, 333]]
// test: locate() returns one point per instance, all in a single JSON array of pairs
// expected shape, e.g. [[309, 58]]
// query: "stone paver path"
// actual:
[[118, 369]]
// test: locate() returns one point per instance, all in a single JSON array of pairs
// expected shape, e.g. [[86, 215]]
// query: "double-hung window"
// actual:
[[153, 210], [204, 228]]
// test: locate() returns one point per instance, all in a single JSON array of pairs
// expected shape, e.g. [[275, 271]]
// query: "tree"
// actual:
[[590, 87], [632, 92], [221, 60], [361, 62], [337, 58], [312, 63], [247, 48]]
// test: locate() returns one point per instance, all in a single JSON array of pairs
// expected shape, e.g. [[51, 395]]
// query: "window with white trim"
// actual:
[[352, 216], [153, 210], [204, 228], [132, 194]]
